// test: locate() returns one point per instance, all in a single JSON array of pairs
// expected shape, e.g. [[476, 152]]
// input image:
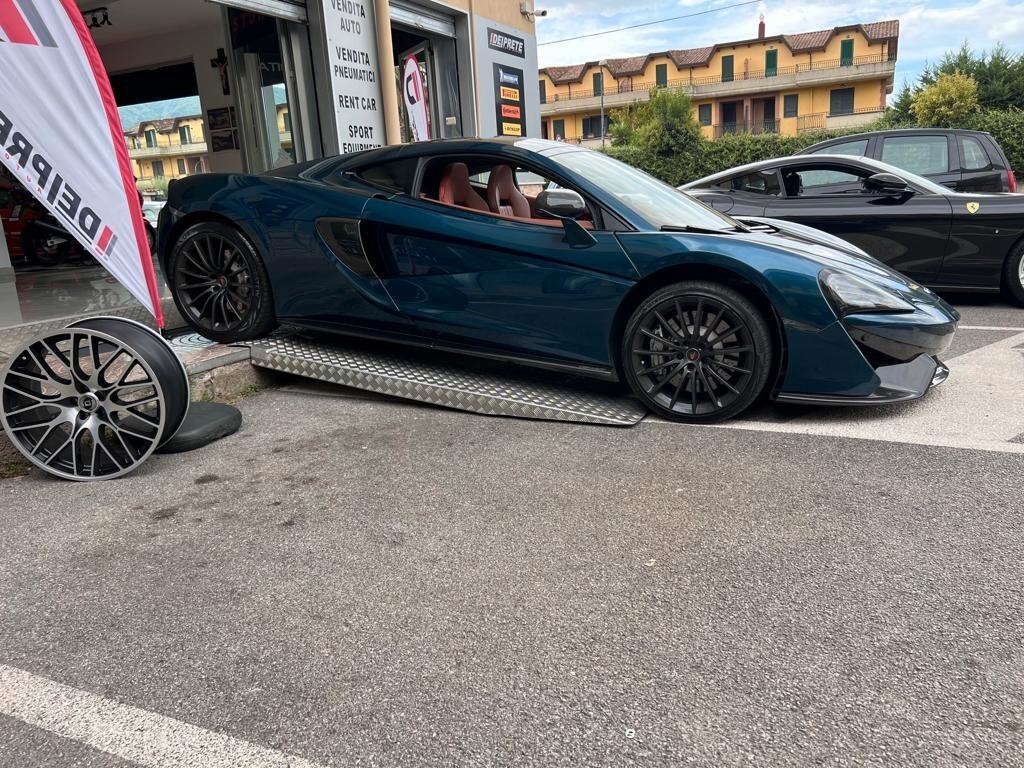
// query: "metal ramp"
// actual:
[[443, 381]]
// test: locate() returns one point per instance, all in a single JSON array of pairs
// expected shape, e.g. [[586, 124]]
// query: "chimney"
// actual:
[[760, 28]]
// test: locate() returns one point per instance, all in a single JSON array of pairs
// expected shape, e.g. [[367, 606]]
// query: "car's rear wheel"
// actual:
[[220, 284], [697, 352], [1013, 274]]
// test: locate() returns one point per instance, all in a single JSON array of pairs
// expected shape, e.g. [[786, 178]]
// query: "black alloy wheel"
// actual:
[[220, 284], [697, 352]]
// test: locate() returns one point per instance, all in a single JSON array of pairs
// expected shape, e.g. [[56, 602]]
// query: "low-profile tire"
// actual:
[[697, 352], [220, 284], [1013, 274]]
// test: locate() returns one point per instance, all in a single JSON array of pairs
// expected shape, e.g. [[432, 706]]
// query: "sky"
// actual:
[[927, 29]]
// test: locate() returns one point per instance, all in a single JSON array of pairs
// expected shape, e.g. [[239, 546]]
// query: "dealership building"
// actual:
[[284, 81]]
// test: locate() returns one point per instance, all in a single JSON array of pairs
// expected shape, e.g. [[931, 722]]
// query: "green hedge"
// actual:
[[712, 156]]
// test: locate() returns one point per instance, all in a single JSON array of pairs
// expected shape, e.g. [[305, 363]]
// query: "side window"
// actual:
[[972, 155], [810, 181], [661, 75], [755, 184], [857, 148], [393, 176], [923, 155], [704, 114]]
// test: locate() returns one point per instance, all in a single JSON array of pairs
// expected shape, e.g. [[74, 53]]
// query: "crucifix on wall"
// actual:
[[221, 64]]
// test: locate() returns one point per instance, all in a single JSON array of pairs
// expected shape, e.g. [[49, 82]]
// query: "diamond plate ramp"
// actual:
[[448, 385]]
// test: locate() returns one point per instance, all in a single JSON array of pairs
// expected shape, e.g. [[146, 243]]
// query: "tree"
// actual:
[[664, 124], [999, 74], [949, 102]]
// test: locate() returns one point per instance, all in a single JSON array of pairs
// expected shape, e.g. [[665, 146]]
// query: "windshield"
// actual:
[[658, 203]]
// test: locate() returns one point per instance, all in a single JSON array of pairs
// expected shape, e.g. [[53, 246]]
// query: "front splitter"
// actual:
[[449, 385]]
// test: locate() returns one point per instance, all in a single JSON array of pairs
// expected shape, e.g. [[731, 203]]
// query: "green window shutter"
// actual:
[[543, 91], [791, 105], [598, 83], [771, 63], [661, 75], [846, 53], [727, 71]]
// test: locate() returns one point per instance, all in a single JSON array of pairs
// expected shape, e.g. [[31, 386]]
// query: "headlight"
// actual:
[[849, 294]]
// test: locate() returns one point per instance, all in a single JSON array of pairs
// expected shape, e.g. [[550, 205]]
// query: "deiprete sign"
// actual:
[[509, 102], [506, 43], [355, 90]]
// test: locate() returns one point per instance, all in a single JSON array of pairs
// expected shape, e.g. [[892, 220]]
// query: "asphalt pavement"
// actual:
[[354, 580]]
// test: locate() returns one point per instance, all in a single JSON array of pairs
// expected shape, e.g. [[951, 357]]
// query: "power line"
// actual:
[[652, 23]]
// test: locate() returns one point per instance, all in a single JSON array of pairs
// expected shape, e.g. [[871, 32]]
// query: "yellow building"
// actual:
[[167, 149], [832, 78]]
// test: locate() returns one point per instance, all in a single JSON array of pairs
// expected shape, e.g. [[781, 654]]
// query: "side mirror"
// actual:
[[887, 183], [561, 203], [567, 205]]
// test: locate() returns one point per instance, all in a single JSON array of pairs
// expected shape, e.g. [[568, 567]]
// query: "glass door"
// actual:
[[264, 102]]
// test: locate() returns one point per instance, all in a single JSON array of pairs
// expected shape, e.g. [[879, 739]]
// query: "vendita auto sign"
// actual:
[[60, 135]]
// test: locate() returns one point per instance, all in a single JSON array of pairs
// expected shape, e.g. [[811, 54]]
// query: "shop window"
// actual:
[[185, 134], [151, 138], [704, 114], [846, 53], [158, 169], [598, 83], [771, 63], [661, 75], [543, 91], [727, 69], [791, 105], [840, 101]]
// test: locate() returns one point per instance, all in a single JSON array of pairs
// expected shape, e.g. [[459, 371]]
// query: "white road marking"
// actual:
[[980, 407], [128, 732], [1016, 329]]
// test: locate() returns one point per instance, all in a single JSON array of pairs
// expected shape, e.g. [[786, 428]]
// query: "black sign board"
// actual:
[[506, 43], [509, 100]]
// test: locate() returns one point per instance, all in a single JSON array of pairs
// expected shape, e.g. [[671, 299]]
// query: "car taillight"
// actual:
[[1013, 181]]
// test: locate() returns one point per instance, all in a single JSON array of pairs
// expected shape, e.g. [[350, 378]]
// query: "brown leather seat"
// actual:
[[503, 196], [455, 189]]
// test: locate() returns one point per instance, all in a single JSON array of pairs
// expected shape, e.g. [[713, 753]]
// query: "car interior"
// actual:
[[492, 187]]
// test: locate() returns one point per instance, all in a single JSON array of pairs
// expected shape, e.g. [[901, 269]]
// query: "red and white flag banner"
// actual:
[[61, 136]]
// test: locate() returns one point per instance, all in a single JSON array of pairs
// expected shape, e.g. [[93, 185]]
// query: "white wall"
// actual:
[[199, 45]]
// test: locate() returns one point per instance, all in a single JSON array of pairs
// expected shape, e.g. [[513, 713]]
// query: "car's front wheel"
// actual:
[[219, 283], [697, 352]]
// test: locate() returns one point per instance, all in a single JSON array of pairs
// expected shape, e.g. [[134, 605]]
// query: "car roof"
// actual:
[[472, 145], [781, 162], [897, 132]]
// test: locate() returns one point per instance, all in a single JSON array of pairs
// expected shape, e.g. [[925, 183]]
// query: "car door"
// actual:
[[979, 171], [908, 232], [932, 155], [495, 283], [744, 195]]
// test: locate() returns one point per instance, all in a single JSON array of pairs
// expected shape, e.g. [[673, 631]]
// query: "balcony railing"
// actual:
[[162, 150], [769, 125], [628, 85]]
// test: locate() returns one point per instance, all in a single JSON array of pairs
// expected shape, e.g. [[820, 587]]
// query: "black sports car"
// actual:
[[943, 239]]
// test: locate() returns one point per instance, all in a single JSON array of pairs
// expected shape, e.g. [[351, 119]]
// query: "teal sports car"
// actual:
[[547, 254]]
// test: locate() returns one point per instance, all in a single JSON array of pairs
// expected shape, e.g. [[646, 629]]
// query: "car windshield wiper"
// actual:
[[700, 230]]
